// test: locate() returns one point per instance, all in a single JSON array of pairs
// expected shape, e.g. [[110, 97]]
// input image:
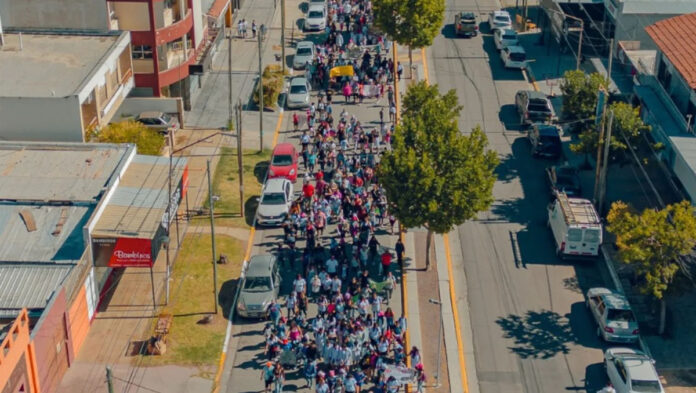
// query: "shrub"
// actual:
[[147, 140], [273, 80]]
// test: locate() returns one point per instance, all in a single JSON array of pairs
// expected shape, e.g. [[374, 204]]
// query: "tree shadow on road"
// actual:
[[538, 334]]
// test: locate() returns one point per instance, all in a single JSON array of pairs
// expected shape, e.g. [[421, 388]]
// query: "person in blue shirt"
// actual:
[[351, 384], [267, 376], [310, 372]]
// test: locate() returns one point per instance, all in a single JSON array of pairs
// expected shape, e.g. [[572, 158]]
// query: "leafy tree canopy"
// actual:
[[414, 23], [653, 240], [580, 92], [436, 176], [147, 140]]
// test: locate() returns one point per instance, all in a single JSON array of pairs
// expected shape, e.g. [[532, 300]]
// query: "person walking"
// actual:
[[399, 251], [267, 376], [295, 117], [389, 285], [420, 378], [253, 28], [392, 113], [278, 378]]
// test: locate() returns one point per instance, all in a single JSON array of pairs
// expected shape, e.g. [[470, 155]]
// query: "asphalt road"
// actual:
[[531, 331]]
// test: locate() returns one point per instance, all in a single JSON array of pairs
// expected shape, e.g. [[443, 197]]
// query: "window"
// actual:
[[620, 369], [592, 235], [282, 160], [142, 52], [600, 307], [574, 235], [276, 198], [620, 315], [257, 284]]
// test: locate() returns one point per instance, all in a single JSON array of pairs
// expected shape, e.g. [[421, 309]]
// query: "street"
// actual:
[[531, 331]]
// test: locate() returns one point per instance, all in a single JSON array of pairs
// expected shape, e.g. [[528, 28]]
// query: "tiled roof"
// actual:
[[675, 38]]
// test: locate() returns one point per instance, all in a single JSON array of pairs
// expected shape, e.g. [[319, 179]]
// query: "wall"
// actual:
[[132, 106], [131, 16], [53, 119], [199, 22], [51, 343], [66, 14], [17, 366]]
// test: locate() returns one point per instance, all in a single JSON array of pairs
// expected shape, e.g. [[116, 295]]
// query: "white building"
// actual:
[[57, 87]]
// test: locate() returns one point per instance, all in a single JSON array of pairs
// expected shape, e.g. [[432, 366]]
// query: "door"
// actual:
[[591, 238], [574, 241]]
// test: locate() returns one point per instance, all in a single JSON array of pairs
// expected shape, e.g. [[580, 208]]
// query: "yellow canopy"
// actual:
[[346, 70]]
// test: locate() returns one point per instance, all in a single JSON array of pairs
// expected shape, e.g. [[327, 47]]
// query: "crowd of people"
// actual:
[[336, 327]]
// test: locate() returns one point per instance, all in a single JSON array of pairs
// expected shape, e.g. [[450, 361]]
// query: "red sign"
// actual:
[[184, 182], [122, 252]]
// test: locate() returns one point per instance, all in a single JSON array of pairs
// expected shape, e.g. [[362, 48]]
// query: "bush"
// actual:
[[147, 140], [273, 80]]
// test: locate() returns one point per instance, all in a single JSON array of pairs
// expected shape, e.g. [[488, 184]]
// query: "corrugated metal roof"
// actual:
[[20, 245], [675, 38], [56, 171], [139, 202], [29, 286]]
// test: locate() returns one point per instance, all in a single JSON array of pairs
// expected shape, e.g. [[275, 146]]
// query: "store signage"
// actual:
[[176, 197], [122, 252]]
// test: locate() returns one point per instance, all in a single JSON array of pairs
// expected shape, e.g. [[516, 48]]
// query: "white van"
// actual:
[[576, 227]]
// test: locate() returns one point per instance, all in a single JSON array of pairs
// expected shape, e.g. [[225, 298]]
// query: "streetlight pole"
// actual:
[[439, 342], [260, 39], [211, 200], [282, 34], [582, 29]]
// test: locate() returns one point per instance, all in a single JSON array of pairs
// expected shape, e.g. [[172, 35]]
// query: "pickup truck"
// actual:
[[465, 24]]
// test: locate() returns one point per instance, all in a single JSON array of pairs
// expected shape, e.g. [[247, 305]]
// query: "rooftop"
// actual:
[[50, 65], [662, 7], [139, 202], [29, 286], [675, 38], [56, 238], [56, 171]]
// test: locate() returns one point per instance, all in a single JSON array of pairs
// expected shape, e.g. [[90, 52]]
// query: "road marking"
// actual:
[[530, 77], [425, 66], [404, 307], [247, 255], [455, 315]]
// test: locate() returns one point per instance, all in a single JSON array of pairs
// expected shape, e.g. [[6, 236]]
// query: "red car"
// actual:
[[283, 162]]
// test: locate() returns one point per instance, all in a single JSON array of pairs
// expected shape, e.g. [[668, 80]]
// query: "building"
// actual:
[[666, 87], [58, 87], [71, 214], [620, 20], [170, 38]]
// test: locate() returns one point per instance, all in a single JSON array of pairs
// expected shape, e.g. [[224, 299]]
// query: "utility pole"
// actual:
[[239, 160], [260, 39], [230, 108], [169, 210], [109, 380], [282, 36], [605, 161], [211, 200], [600, 147], [396, 82], [611, 58], [582, 29]]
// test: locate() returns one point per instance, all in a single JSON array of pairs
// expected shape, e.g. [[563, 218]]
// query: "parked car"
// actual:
[[575, 226], [304, 53], [465, 24], [298, 93], [499, 20], [534, 107], [613, 314], [545, 140], [505, 37], [283, 162], [564, 178], [159, 121], [275, 201], [315, 2], [631, 371], [260, 286], [514, 57], [316, 18]]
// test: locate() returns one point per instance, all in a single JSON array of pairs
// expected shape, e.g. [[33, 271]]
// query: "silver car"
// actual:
[[298, 93], [631, 371], [613, 314], [275, 201], [304, 54], [260, 287]]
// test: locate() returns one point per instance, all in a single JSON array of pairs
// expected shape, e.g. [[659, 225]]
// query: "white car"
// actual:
[[304, 53], [514, 57], [613, 314], [316, 18], [505, 37], [499, 20], [274, 203], [298, 93], [631, 371]]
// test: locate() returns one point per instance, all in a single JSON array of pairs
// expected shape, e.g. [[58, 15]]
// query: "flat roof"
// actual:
[[139, 202], [662, 7], [58, 171], [51, 65]]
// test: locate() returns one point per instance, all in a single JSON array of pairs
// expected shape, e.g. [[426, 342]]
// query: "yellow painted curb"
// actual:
[[455, 315]]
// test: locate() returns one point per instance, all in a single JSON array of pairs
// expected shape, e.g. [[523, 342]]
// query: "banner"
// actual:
[[122, 252], [346, 70], [403, 375]]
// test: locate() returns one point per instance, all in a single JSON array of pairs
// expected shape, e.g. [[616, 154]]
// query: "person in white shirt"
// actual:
[[331, 265], [300, 284], [336, 285]]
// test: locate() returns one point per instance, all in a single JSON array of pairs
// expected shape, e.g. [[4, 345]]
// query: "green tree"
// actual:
[[627, 122], [414, 23], [580, 92], [652, 242], [435, 176], [147, 140]]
